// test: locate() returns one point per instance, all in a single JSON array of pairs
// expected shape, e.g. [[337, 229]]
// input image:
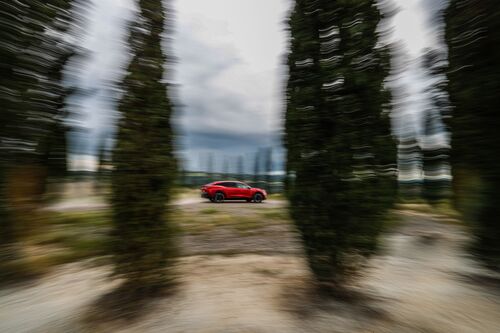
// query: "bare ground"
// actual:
[[422, 281]]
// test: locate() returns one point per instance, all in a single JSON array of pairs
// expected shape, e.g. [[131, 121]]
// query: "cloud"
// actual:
[[229, 69], [416, 28], [94, 73], [227, 74]]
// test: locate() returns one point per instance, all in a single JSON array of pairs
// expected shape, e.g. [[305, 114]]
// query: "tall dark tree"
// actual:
[[268, 155], [435, 152], [101, 177], [240, 168], [474, 82], [338, 138], [410, 166], [225, 168], [256, 168], [143, 158], [435, 160], [210, 166], [32, 135]]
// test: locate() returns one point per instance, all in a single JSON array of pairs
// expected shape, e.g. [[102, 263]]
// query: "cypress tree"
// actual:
[[143, 159], [435, 159], [210, 167], [32, 140], [474, 82], [101, 179], [269, 168], [256, 169], [436, 186], [225, 168], [410, 166], [241, 168], [338, 139]]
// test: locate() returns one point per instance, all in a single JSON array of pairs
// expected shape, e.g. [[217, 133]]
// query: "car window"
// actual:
[[241, 185], [227, 184]]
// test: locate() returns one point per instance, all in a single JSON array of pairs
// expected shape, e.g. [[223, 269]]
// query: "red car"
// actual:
[[232, 190]]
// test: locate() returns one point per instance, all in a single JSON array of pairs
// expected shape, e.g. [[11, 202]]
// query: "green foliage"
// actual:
[[341, 154], [268, 155], [474, 82], [33, 54], [256, 168], [209, 211], [435, 158], [275, 214], [143, 160]]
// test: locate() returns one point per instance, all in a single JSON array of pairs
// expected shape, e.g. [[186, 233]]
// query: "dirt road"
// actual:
[[422, 281], [76, 201]]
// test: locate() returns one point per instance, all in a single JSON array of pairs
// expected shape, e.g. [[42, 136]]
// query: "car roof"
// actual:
[[226, 181]]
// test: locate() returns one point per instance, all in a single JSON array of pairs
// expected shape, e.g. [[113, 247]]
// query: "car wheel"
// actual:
[[219, 197], [257, 198]]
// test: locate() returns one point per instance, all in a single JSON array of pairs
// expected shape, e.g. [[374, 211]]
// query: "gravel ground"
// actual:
[[422, 281]]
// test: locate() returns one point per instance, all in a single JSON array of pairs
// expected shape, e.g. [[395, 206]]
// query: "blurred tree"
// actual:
[[435, 160], [225, 168], [34, 52], [256, 169], [435, 150], [474, 82], [101, 177], [340, 150], [183, 178], [241, 168], [210, 166], [410, 166], [143, 159], [268, 155]]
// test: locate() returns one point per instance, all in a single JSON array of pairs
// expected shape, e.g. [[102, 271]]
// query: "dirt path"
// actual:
[[421, 282], [81, 202], [54, 303]]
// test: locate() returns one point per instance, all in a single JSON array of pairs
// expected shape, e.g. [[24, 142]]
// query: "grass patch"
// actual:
[[246, 226], [441, 208], [275, 214], [391, 220], [83, 218], [68, 237], [209, 211], [190, 223], [276, 196], [197, 228], [209, 219]]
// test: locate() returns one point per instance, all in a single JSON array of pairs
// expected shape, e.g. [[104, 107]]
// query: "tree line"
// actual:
[[256, 168]]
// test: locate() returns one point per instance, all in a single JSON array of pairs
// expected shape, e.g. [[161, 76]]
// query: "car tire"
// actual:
[[258, 197], [219, 197]]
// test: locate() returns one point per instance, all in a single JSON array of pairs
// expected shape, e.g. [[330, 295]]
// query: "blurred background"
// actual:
[[370, 124]]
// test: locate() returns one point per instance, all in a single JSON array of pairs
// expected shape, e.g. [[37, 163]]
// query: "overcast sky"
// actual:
[[229, 70], [231, 74]]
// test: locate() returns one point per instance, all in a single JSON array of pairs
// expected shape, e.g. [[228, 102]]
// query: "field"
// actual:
[[241, 269]]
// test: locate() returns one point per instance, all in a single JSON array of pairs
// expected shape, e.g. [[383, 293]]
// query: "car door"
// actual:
[[243, 190], [231, 189]]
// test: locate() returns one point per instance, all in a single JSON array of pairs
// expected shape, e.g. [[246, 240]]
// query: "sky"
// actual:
[[416, 28], [230, 69], [229, 75]]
